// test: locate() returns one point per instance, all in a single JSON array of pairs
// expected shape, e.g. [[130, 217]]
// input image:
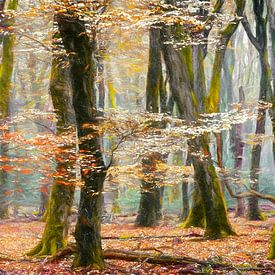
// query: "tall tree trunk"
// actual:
[[238, 148], [93, 171], [152, 194], [271, 19], [260, 43], [62, 192], [213, 203], [6, 70], [254, 212]]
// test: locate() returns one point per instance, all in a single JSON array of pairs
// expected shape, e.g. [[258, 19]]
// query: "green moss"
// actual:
[[196, 216], [56, 230], [213, 99], [11, 5], [6, 70]]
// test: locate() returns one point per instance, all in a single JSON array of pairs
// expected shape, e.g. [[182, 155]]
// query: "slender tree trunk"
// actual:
[[152, 194], [6, 70], [101, 84], [184, 190], [271, 19], [260, 43], [87, 232], [254, 212], [238, 148]]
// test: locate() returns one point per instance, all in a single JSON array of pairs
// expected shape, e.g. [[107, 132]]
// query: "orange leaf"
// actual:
[[7, 168], [26, 171], [85, 172], [44, 189]]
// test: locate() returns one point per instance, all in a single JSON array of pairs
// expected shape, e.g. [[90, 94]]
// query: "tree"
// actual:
[[82, 68], [151, 193], [260, 43], [6, 71], [62, 192], [213, 203]]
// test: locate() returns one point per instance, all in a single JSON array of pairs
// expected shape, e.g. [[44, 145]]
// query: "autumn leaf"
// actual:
[[25, 171], [7, 168]]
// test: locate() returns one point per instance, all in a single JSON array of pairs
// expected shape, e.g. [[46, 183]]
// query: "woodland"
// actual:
[[137, 137]]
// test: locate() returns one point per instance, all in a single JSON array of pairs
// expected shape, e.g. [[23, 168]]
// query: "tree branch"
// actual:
[[250, 35], [250, 193]]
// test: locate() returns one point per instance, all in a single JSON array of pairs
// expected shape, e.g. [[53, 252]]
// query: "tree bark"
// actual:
[[152, 194], [217, 224], [6, 70], [87, 232], [62, 192], [260, 43]]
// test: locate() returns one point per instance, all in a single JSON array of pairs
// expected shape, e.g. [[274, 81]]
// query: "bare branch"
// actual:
[[250, 35], [250, 193]]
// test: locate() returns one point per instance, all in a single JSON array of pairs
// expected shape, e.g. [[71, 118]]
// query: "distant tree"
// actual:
[[6, 70], [260, 43], [151, 193]]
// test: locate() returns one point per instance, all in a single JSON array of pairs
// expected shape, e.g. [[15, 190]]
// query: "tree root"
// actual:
[[156, 258]]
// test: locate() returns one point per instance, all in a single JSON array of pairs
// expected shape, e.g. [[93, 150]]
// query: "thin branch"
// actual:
[[218, 6], [250, 35], [250, 193], [40, 124]]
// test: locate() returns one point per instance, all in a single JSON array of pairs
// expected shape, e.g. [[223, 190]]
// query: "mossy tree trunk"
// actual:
[[260, 43], [62, 192], [217, 224], [6, 70], [87, 231], [152, 194], [213, 204], [196, 215]]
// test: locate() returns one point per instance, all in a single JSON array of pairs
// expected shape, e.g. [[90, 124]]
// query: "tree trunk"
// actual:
[[265, 91], [271, 19], [6, 70], [62, 192], [260, 43], [151, 194], [217, 224], [196, 216], [185, 201], [237, 148], [87, 232]]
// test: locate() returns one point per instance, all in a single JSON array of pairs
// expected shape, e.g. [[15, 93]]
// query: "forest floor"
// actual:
[[248, 249]]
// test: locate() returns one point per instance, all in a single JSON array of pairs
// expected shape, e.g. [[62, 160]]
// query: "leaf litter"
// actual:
[[248, 249]]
